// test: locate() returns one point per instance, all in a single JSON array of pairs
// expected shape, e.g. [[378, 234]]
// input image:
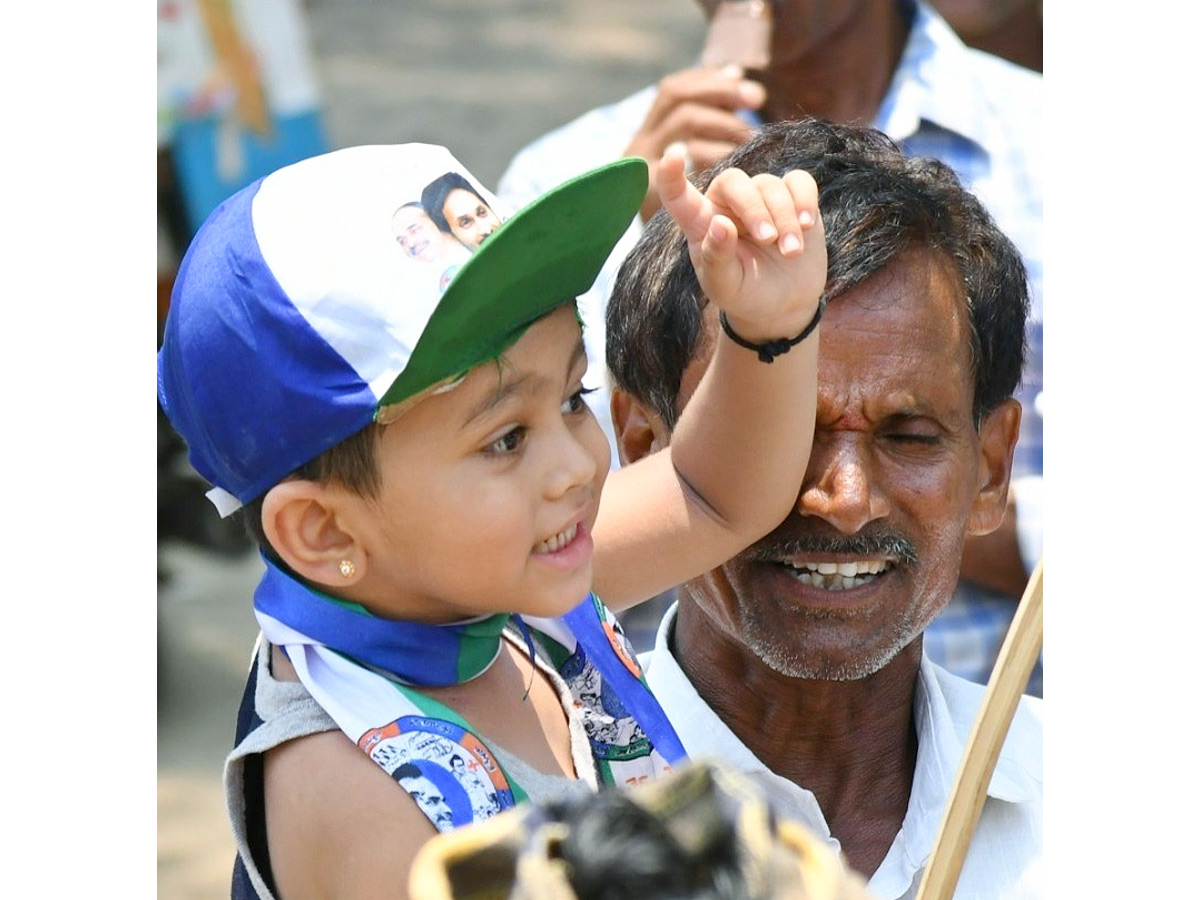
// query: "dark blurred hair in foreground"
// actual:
[[704, 832]]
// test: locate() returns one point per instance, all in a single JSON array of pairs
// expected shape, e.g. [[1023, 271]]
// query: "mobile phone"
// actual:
[[739, 34]]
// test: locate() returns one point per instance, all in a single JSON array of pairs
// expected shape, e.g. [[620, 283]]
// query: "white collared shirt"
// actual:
[[1005, 857]]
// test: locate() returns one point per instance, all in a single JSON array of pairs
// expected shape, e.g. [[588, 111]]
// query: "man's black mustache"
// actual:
[[773, 547]]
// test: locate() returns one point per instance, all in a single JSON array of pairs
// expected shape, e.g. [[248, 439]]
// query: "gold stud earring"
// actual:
[[346, 568]]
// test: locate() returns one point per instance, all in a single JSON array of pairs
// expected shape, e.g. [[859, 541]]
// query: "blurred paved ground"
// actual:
[[482, 77]]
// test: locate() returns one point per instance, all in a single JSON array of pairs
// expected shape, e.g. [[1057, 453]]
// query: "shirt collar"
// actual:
[[703, 733], [694, 720], [950, 706], [945, 707], [935, 82]]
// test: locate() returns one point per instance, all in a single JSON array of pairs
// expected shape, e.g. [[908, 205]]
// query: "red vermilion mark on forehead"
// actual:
[[851, 412], [838, 409], [848, 421]]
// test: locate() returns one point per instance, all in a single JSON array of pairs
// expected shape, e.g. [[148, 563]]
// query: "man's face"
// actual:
[[416, 233], [799, 27], [471, 220], [871, 551], [430, 799], [977, 18]]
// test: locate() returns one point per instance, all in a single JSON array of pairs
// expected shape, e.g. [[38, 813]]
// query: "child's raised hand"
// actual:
[[758, 245]]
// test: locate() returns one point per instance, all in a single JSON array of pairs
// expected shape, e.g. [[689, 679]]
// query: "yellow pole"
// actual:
[[1009, 677]]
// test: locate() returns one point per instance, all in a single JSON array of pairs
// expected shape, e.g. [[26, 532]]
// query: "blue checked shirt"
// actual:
[[979, 114]]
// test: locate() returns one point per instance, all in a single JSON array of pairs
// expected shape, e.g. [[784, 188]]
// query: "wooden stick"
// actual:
[[1017, 656]]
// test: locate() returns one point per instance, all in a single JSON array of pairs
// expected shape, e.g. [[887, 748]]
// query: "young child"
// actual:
[[424, 479]]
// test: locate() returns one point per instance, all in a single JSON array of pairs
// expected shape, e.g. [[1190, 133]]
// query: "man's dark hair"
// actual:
[[876, 204], [407, 770], [433, 197]]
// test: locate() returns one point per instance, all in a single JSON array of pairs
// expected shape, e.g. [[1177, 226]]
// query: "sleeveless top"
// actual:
[[273, 712], [463, 777]]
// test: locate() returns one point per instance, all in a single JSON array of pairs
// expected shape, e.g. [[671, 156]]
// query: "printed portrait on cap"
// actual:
[[459, 209], [423, 242]]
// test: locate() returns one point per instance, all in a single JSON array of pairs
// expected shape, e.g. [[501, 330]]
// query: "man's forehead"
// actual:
[[913, 306], [848, 406], [903, 330]]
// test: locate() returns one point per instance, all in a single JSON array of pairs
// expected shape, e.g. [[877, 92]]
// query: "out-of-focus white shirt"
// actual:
[[1005, 856]]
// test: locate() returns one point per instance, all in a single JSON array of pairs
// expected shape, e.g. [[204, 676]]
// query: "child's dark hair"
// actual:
[[353, 464]]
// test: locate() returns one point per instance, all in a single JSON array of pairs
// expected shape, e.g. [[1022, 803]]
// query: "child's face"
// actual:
[[489, 490]]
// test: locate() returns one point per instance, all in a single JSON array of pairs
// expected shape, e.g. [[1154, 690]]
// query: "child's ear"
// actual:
[[639, 431], [997, 438], [300, 520]]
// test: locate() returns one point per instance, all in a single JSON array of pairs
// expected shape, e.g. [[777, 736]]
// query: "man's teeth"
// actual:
[[835, 576], [557, 542]]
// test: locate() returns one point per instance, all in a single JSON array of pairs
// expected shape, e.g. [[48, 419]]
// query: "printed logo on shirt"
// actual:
[[448, 771], [612, 730]]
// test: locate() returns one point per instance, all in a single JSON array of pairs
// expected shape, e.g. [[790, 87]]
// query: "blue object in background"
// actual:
[[195, 151]]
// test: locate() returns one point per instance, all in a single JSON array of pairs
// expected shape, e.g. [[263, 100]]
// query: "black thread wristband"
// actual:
[[770, 349]]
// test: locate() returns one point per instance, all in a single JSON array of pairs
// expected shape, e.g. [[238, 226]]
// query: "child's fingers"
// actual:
[[733, 190], [781, 205], [680, 199], [803, 189], [718, 257]]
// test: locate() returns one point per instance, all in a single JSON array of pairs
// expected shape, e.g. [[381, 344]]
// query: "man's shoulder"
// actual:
[[981, 95], [1012, 91], [1023, 742], [612, 123]]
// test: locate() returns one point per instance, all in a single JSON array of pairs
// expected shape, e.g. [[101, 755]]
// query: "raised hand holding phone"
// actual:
[[739, 34], [700, 112]]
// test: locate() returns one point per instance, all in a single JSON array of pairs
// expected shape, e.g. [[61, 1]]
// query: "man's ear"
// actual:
[[997, 438], [300, 519], [639, 431]]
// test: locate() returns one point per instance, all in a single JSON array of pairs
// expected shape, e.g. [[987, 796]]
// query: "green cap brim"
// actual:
[[546, 254]]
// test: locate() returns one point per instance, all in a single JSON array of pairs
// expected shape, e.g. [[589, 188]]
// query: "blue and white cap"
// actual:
[[315, 299]]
